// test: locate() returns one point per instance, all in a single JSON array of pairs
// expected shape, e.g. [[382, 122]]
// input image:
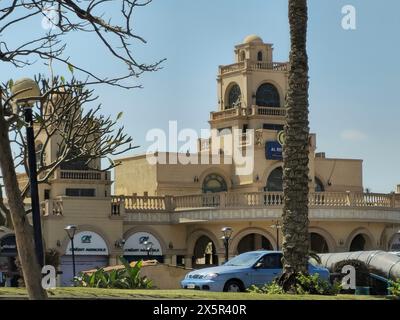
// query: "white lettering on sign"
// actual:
[[88, 243], [135, 245]]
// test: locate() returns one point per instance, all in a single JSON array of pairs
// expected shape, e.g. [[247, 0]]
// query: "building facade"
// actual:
[[174, 211]]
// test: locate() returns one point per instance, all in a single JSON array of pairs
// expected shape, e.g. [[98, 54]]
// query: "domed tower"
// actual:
[[251, 91]]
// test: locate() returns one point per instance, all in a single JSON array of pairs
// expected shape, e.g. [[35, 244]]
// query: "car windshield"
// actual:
[[245, 259]]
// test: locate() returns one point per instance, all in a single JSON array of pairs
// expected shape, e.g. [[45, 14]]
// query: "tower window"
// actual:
[[234, 97], [72, 192], [267, 96], [242, 56], [259, 56], [275, 180]]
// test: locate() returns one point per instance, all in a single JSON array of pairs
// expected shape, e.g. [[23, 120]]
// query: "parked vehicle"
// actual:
[[250, 268]]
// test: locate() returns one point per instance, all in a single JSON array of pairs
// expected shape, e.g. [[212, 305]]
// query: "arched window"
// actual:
[[318, 243], [234, 97], [319, 186], [259, 56], [242, 56], [267, 96], [275, 180], [214, 183]]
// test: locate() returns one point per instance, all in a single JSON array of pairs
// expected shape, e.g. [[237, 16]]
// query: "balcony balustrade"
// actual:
[[249, 65], [241, 200], [82, 175], [271, 112]]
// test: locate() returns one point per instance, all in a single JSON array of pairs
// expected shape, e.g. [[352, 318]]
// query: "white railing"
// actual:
[[252, 111], [83, 175], [254, 66], [267, 111], [251, 200]]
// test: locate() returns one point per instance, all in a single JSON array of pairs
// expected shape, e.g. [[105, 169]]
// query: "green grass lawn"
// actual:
[[93, 293]]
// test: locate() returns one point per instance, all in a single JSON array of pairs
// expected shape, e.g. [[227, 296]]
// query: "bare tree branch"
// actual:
[[65, 17]]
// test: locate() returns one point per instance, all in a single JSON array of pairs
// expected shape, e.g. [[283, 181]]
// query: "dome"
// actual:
[[253, 38]]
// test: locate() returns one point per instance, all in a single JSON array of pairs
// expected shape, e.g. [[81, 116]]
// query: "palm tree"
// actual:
[[295, 152]]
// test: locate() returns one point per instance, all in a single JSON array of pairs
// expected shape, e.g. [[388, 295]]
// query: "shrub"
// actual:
[[271, 288], [126, 278], [313, 284], [394, 287], [306, 284]]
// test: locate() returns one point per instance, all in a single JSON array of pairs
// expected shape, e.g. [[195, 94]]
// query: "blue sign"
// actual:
[[273, 150]]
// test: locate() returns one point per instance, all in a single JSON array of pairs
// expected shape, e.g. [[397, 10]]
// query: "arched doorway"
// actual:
[[91, 252], [204, 253], [359, 243], [318, 243], [253, 241]]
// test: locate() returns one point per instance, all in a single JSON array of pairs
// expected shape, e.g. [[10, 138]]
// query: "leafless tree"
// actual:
[[81, 134]]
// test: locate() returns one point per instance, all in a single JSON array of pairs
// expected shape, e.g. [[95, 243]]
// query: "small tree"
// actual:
[[83, 135]]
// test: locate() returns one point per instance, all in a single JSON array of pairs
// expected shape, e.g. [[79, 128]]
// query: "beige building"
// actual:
[[174, 212]]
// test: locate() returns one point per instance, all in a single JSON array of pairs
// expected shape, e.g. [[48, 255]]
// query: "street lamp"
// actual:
[[26, 92], [71, 230], [148, 245], [277, 226], [227, 234]]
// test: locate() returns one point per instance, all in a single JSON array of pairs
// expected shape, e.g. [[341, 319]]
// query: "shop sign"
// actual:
[[135, 245], [88, 243], [273, 150]]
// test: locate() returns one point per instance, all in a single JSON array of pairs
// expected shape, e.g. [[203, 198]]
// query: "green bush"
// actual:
[[313, 284], [306, 284], [271, 288], [126, 278], [394, 288]]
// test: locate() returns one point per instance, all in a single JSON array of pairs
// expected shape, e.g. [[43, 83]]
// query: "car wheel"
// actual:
[[233, 286]]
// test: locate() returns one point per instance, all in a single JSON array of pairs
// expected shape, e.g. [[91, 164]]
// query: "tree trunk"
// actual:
[[295, 152], [23, 230]]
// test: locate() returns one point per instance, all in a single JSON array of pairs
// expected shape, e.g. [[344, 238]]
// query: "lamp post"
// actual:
[[27, 92], [277, 226], [148, 247], [71, 230], [227, 234]]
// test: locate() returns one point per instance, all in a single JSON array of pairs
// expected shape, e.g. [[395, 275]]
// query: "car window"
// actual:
[[272, 261]]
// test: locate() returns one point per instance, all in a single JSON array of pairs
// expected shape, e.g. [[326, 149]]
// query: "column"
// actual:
[[188, 262]]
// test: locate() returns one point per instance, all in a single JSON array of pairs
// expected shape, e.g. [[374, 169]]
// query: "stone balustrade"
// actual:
[[243, 200], [248, 112], [82, 175], [249, 65]]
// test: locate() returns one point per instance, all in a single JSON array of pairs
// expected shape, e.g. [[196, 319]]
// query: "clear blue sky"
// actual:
[[354, 75]]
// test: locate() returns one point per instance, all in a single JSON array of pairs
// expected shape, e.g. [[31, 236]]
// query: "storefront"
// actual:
[[9, 274], [91, 252], [142, 246]]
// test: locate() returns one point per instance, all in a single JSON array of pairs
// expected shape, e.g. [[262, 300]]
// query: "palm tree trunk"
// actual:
[[23, 230], [295, 152]]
